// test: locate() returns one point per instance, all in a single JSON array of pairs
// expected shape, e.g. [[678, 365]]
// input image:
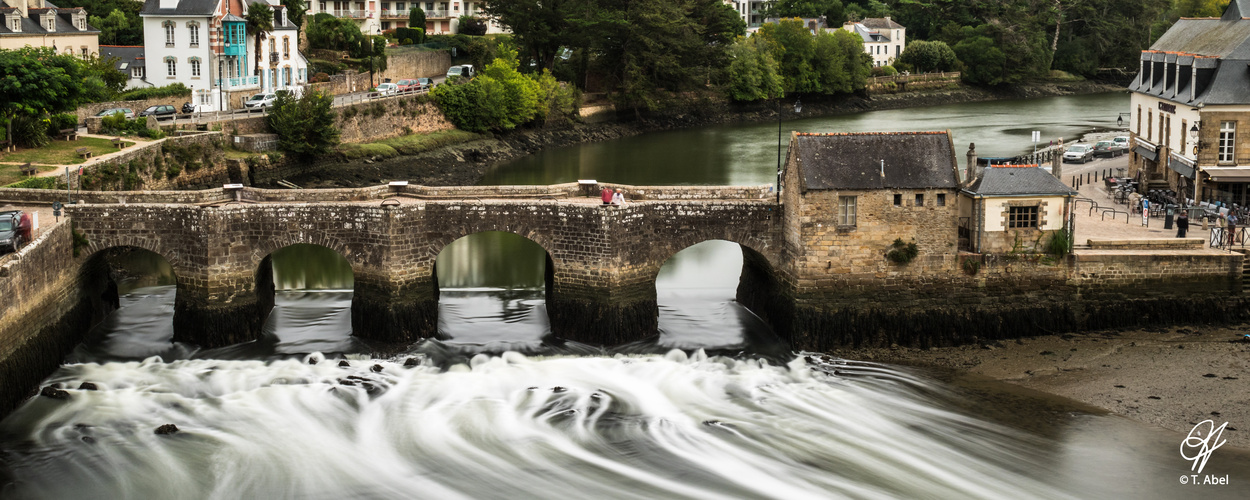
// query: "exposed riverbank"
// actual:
[[1171, 377], [466, 163]]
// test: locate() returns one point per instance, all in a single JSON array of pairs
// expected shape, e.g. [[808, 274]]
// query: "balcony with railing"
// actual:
[[352, 13], [240, 82], [394, 14], [435, 14]]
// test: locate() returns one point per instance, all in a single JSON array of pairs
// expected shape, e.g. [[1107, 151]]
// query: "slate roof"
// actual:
[[909, 160], [1018, 181], [185, 8], [31, 24], [881, 23], [1218, 48], [868, 35], [128, 56]]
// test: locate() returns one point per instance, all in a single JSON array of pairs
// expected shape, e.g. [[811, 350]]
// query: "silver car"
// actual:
[[127, 112], [1078, 153], [261, 100], [387, 89]]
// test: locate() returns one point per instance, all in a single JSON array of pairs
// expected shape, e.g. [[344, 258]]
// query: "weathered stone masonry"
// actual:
[[604, 260]]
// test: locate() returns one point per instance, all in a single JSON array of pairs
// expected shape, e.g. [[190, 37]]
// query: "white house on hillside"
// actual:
[[884, 39], [373, 16], [204, 45]]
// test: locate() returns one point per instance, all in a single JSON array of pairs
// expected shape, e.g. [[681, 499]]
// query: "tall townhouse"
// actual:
[[204, 44], [37, 23]]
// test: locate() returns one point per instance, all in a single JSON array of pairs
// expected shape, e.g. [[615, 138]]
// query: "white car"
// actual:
[[1078, 153], [387, 89], [261, 100], [1122, 141]]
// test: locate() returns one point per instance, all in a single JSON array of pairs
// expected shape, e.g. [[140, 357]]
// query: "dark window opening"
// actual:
[[1022, 217], [898, 200], [920, 200], [941, 200]]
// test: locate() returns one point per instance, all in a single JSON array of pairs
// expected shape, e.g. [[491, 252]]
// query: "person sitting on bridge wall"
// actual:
[[606, 196], [618, 198]]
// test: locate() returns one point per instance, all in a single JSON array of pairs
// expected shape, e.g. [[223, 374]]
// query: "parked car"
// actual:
[[464, 71], [296, 92], [10, 233], [426, 83], [261, 100], [1108, 149], [407, 85], [1121, 140], [159, 111], [387, 89], [127, 112], [1078, 153]]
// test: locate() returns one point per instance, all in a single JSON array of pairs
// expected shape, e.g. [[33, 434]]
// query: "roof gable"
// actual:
[[877, 160]]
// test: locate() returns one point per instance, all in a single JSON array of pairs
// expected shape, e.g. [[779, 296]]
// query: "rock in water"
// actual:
[[376, 368], [87, 386], [54, 393], [167, 429], [344, 364]]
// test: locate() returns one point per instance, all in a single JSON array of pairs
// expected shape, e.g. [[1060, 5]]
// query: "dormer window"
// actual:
[[15, 23], [49, 22]]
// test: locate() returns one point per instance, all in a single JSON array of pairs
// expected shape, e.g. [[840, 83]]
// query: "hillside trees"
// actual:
[[305, 126], [35, 82], [924, 56]]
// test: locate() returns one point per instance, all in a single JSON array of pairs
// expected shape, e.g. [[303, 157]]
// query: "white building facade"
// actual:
[[884, 39], [373, 16], [203, 44]]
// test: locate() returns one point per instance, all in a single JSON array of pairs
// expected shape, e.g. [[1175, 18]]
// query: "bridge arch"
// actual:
[[103, 268], [758, 283], [330, 270]]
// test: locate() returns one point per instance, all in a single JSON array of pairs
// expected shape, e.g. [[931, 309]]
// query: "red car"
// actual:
[[408, 85]]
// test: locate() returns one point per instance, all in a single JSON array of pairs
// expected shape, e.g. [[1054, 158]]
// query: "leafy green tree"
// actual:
[[1201, 8], [101, 80], [472, 26], [332, 33], [416, 19], [541, 27], [259, 19], [833, 10], [753, 72], [37, 81], [296, 10], [114, 29], [377, 57], [983, 62], [305, 126], [98, 11], [924, 56], [794, 48]]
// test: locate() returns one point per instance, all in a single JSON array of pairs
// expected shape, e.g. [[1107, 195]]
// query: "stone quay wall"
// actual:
[[90, 109], [366, 121], [43, 315]]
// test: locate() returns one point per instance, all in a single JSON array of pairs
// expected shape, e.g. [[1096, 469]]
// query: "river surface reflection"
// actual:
[[714, 406]]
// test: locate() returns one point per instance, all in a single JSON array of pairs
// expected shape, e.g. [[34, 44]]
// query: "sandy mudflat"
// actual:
[[1172, 377]]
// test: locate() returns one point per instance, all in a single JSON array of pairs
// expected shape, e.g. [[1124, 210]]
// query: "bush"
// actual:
[[1058, 244], [320, 77], [500, 99], [36, 183], [884, 71], [472, 26], [171, 90], [117, 123], [30, 131], [305, 126], [411, 35], [57, 123], [152, 133], [902, 253]]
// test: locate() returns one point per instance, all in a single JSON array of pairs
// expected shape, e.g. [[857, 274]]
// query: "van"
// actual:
[[464, 70]]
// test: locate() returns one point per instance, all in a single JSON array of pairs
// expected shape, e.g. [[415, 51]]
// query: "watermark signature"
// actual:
[[1203, 439], [1197, 447]]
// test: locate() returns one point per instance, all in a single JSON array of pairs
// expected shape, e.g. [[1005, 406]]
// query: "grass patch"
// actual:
[[407, 145], [10, 174], [237, 154], [62, 152]]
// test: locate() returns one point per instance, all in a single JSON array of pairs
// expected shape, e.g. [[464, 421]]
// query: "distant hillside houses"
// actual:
[[441, 18], [204, 44], [38, 23], [884, 39]]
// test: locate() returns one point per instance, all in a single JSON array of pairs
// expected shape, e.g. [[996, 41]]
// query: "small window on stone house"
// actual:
[[941, 199], [898, 200], [847, 210], [920, 199], [1021, 217]]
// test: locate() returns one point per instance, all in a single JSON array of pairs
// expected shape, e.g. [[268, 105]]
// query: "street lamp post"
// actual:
[[1119, 120], [1194, 132], [798, 108]]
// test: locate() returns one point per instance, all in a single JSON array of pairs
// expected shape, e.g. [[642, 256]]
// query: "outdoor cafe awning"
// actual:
[[1181, 167], [1228, 174], [1147, 153]]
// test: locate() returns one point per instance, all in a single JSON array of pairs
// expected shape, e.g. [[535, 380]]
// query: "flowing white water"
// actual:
[[507, 427]]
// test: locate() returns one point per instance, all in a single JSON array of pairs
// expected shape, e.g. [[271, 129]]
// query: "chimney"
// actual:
[[971, 167]]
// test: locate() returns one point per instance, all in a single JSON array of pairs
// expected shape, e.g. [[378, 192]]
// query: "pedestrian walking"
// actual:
[[1232, 229], [1182, 224]]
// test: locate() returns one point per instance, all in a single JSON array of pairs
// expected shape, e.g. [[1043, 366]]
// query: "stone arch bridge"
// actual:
[[602, 261]]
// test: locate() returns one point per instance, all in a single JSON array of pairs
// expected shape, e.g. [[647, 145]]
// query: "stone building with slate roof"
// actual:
[[1013, 207], [38, 23], [849, 196], [128, 59], [1189, 118]]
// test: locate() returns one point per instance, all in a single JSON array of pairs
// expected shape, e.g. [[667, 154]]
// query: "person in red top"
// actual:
[[606, 196], [24, 227]]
